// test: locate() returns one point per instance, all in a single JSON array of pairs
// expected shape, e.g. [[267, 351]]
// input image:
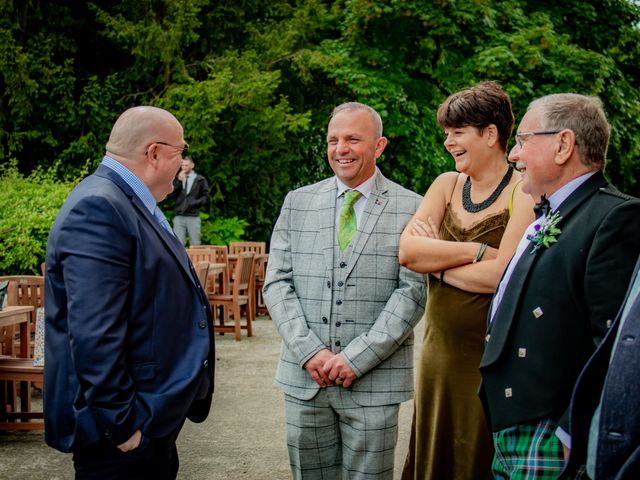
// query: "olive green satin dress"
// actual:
[[449, 436]]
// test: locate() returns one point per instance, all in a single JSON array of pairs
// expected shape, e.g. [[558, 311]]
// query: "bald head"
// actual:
[[149, 142], [136, 128]]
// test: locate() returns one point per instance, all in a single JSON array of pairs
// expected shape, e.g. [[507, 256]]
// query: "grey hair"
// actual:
[[375, 116], [582, 114]]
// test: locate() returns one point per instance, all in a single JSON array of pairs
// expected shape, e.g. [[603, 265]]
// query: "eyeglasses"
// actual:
[[520, 136], [185, 149]]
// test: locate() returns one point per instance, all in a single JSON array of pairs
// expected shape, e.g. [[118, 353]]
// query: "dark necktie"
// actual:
[[542, 207]]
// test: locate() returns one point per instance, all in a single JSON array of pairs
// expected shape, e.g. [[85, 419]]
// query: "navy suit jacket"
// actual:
[[128, 329], [616, 380]]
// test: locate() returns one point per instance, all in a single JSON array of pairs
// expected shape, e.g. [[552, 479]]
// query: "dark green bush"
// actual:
[[28, 207]]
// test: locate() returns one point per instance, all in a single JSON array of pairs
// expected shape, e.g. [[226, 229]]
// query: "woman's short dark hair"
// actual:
[[479, 106]]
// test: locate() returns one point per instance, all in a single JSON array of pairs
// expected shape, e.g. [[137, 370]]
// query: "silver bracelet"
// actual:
[[483, 247]]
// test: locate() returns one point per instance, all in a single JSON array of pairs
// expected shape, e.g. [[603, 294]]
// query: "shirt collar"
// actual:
[[365, 188], [131, 179], [560, 195]]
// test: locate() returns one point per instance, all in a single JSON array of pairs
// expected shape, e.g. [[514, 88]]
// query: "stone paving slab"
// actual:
[[243, 438]]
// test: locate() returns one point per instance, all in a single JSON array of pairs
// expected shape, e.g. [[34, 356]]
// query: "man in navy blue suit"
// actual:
[[605, 420], [129, 348]]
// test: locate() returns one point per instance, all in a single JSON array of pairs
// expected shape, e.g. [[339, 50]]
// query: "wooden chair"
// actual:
[[7, 339], [221, 256], [232, 303], [206, 246], [260, 274], [212, 254], [202, 269], [255, 247], [26, 290], [7, 336], [238, 247], [23, 371], [200, 254]]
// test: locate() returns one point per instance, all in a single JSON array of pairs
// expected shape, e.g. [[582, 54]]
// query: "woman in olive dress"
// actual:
[[463, 235]]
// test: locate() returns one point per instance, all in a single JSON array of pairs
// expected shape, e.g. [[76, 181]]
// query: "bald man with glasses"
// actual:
[[129, 348]]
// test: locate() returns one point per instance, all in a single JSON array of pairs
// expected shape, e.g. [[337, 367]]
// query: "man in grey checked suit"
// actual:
[[345, 314]]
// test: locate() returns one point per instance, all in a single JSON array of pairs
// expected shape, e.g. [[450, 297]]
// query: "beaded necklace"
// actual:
[[471, 207]]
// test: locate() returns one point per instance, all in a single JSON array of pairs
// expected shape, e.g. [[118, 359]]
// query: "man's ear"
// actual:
[[381, 144], [152, 154], [565, 147]]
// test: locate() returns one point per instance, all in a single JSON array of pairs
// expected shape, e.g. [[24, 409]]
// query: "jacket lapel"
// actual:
[[172, 244], [501, 324], [170, 240], [372, 210], [634, 310], [326, 208], [578, 197]]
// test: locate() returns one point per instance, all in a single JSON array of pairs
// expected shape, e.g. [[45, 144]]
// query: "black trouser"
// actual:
[[155, 458]]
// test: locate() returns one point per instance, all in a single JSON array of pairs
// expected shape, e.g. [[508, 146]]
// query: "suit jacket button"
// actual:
[[338, 324], [343, 264], [337, 343], [338, 302], [202, 324], [205, 364], [340, 283], [107, 433], [328, 284], [324, 320]]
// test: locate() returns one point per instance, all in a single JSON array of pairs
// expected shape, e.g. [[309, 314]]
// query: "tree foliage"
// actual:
[[254, 82]]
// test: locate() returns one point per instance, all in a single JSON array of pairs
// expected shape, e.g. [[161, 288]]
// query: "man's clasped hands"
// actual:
[[327, 368]]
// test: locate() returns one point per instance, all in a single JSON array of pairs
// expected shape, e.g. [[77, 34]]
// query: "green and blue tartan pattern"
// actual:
[[529, 451]]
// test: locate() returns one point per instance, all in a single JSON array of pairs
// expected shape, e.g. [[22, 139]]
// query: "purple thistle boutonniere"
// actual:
[[546, 232]]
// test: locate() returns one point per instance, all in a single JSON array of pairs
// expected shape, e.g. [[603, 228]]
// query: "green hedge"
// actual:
[[28, 207]]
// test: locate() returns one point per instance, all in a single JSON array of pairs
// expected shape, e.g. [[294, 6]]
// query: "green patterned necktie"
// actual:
[[347, 224]]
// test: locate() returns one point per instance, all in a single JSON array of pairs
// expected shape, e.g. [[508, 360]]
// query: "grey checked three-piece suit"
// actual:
[[359, 302]]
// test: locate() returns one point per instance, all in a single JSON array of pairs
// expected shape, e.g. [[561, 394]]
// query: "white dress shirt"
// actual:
[[555, 200]]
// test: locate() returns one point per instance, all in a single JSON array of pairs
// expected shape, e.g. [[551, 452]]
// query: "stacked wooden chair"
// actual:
[[256, 303], [24, 290], [239, 297]]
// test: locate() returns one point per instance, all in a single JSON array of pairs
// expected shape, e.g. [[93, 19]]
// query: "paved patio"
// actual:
[[243, 438]]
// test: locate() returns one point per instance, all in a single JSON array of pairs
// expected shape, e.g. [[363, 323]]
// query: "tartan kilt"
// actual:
[[528, 451]]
